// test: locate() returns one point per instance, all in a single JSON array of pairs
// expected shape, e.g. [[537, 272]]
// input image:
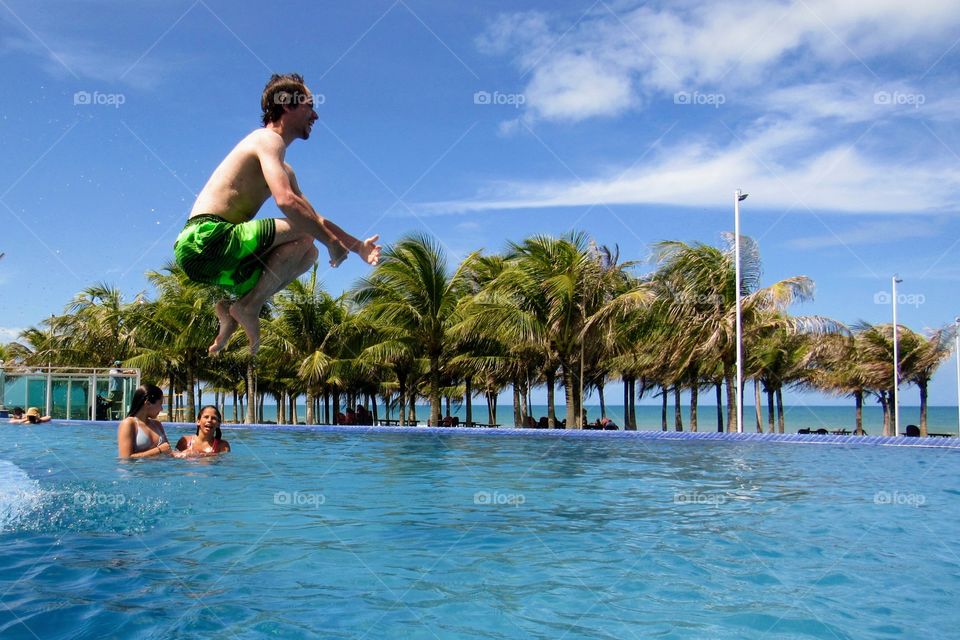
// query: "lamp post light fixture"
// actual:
[[896, 359], [738, 197]]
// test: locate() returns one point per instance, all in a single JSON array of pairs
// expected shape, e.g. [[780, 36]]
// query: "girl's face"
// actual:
[[208, 422], [155, 407]]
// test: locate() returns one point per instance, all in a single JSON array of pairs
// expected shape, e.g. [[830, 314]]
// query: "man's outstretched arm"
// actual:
[[282, 183]]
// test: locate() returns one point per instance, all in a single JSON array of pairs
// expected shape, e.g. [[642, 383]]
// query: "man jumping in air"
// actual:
[[222, 244]]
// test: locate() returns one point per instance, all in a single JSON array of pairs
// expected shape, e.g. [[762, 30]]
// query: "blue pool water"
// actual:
[[348, 534]]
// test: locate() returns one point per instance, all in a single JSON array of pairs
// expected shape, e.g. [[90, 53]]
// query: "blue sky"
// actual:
[[481, 123]]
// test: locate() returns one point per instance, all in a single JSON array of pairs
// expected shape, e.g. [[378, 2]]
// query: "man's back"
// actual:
[[237, 188]]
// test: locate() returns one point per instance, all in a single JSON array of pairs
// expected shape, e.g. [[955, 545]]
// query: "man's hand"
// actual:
[[370, 250]]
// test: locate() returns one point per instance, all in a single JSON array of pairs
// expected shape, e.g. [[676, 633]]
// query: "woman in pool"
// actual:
[[140, 434], [208, 441]]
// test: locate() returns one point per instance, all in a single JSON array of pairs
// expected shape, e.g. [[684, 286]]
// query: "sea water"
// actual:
[[305, 533]]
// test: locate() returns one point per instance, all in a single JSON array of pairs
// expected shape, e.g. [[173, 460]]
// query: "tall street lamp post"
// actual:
[[896, 360], [738, 197]]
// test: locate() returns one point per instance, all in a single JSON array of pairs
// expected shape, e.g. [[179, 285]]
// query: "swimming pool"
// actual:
[[349, 534]]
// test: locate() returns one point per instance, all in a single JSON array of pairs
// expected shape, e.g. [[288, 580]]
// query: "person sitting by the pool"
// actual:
[[32, 416], [16, 416], [350, 418], [140, 434], [208, 441], [363, 416], [607, 424]]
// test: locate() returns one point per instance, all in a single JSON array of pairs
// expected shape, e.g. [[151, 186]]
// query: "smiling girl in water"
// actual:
[[208, 441]]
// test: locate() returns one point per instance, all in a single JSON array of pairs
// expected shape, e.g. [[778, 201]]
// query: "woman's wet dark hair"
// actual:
[[144, 393], [217, 435]]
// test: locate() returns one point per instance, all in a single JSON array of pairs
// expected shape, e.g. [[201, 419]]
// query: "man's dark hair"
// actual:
[[286, 90]]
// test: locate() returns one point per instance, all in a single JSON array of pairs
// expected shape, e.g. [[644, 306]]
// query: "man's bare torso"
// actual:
[[237, 188]]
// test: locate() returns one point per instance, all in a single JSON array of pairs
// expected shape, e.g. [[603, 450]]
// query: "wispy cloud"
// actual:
[[701, 173], [872, 232], [9, 334]]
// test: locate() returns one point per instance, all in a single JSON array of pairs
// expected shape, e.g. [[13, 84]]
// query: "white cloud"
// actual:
[[9, 334], [698, 173], [607, 62]]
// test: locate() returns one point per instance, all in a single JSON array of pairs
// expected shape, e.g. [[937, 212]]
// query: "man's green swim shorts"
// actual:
[[214, 251]]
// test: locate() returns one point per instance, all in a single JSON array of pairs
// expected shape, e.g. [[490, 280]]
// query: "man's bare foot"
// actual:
[[370, 250], [250, 321], [227, 326], [338, 253]]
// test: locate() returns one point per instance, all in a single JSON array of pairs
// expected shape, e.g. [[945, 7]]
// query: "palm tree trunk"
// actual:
[[633, 402], [781, 423], [886, 412], [757, 408], [517, 417], [694, 398], [435, 390], [402, 398], [310, 414], [719, 407], [191, 399], [626, 403], [923, 408], [858, 397], [524, 407], [732, 417], [663, 409], [468, 387], [573, 420], [677, 413], [770, 412], [251, 393], [551, 377], [603, 402]]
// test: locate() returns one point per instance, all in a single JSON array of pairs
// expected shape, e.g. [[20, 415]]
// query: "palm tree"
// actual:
[[412, 292], [920, 363], [701, 282], [295, 339]]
